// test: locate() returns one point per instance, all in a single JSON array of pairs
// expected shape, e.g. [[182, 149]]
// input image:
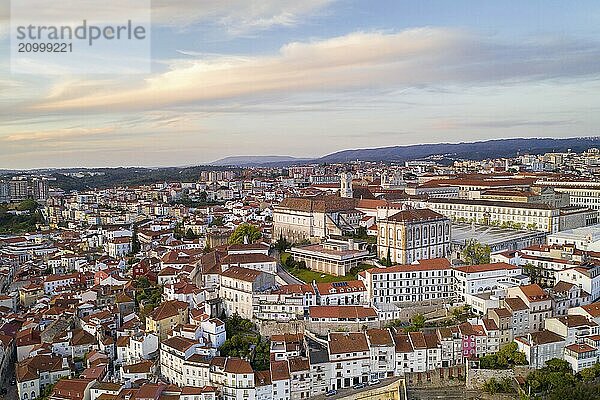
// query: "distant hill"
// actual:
[[472, 151], [248, 161]]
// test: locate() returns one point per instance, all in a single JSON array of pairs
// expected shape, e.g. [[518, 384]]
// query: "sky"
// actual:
[[308, 78]]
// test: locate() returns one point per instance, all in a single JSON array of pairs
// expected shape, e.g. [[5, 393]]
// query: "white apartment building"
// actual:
[[537, 301], [345, 293], [485, 278], [581, 193], [182, 362], [118, 247], [428, 280], [539, 217], [351, 358], [35, 373], [238, 286], [540, 347], [585, 238], [580, 356], [573, 328], [238, 380], [383, 353], [55, 282], [586, 277]]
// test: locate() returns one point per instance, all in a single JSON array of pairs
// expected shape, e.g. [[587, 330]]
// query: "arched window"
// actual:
[[424, 233], [417, 233]]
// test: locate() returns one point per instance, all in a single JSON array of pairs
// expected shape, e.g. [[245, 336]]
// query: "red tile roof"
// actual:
[[347, 342], [415, 215], [471, 269], [236, 365]]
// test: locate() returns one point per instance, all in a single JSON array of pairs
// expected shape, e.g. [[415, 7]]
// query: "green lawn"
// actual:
[[308, 276]]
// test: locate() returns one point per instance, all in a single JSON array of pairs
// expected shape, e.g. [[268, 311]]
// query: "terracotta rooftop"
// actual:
[[142, 367], [573, 321], [540, 338], [340, 287], [516, 304], [416, 215], [168, 309], [580, 348], [236, 365], [473, 269], [534, 292], [347, 342], [241, 273], [280, 370], [70, 389], [318, 204], [403, 344], [593, 309]]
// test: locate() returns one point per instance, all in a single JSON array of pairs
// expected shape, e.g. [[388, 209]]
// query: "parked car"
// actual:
[[359, 386], [374, 382], [331, 393]]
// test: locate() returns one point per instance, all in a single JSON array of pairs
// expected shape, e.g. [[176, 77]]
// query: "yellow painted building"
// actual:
[[29, 294], [167, 316]]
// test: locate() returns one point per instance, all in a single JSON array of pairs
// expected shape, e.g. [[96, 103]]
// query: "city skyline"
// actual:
[[309, 79]]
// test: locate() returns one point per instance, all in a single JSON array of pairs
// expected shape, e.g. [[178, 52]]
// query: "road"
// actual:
[[287, 277], [282, 273], [11, 389]]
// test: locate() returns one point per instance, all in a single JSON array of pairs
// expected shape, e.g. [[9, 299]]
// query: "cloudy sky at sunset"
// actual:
[[307, 78]]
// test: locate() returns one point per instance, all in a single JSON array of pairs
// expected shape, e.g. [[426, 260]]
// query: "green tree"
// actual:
[[135, 242], [189, 234], [507, 357], [203, 196], [418, 321], [27, 205], [47, 391], [588, 374], [282, 244], [461, 314], [243, 341], [245, 232], [236, 324], [476, 253], [217, 221], [262, 354]]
